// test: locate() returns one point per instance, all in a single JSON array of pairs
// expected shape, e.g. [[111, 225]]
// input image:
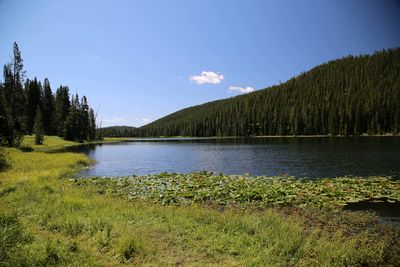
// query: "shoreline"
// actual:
[[116, 139], [55, 144], [110, 222]]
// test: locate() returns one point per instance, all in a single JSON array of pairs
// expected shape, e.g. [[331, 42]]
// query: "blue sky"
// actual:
[[140, 60]]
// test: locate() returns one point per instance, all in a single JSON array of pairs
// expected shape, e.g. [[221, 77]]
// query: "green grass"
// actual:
[[49, 142], [55, 143], [49, 219]]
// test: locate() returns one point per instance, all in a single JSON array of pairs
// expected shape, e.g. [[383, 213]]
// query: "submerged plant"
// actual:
[[221, 189]]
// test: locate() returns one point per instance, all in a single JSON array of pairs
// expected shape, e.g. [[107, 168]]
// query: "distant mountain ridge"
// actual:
[[349, 96], [118, 131]]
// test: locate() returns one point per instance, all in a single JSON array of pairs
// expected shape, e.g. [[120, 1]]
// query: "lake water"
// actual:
[[301, 157], [388, 212]]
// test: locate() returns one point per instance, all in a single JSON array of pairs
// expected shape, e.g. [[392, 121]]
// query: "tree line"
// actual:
[[118, 131], [28, 106], [350, 96]]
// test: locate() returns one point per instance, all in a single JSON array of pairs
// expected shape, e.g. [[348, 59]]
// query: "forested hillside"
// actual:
[[118, 131], [349, 96]]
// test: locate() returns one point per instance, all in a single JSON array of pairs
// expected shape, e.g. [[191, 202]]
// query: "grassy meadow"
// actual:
[[49, 217], [55, 143]]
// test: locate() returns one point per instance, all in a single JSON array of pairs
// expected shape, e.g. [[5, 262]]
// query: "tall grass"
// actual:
[[53, 143], [3, 162], [11, 234], [46, 220]]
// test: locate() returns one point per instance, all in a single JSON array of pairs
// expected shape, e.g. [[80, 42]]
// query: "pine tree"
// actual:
[[84, 119], [33, 100], [37, 110], [92, 125], [48, 108], [62, 107], [13, 93], [38, 127], [5, 127], [72, 129]]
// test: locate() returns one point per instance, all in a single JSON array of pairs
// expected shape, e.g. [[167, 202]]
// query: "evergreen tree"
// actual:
[[62, 107], [80, 123], [72, 122], [48, 108], [83, 119], [36, 110], [13, 94], [92, 125], [33, 100], [5, 127], [39, 127]]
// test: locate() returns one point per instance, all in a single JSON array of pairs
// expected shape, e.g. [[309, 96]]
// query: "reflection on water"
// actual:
[[300, 157], [388, 212]]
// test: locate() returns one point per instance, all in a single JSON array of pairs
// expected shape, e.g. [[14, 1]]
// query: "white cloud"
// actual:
[[96, 57], [207, 77], [241, 90]]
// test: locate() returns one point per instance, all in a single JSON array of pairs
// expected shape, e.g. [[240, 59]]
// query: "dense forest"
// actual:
[[349, 96], [28, 106], [118, 131]]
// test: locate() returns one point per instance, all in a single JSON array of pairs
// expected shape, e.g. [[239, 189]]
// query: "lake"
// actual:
[[298, 156], [388, 212]]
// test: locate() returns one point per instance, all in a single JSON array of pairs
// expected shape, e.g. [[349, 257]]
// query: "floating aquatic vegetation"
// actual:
[[205, 187]]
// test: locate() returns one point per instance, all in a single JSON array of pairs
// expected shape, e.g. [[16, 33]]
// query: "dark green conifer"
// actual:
[[33, 101], [38, 127], [13, 96], [92, 125], [48, 108], [62, 107]]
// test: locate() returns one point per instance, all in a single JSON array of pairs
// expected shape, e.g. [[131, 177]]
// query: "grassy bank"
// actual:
[[55, 143], [48, 217]]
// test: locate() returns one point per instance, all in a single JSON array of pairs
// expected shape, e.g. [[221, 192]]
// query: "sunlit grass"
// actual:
[[34, 166], [45, 220], [51, 143]]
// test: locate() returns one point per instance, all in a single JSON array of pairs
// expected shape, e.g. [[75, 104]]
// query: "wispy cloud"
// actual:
[[241, 90], [141, 121], [207, 77], [113, 120]]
